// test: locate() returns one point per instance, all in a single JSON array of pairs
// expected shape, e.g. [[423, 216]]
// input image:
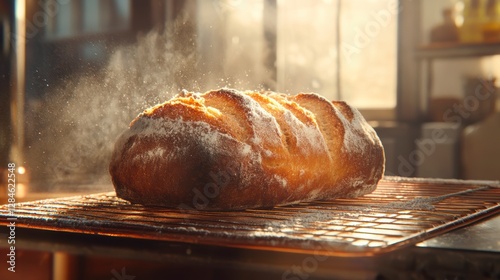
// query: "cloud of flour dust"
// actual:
[[80, 121], [82, 118]]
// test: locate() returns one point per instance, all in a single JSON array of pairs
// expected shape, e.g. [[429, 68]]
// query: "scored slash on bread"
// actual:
[[230, 150]]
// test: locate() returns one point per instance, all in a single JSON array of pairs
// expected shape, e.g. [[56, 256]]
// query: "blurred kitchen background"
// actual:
[[74, 73]]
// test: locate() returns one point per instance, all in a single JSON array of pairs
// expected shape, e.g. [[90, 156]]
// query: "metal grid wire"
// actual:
[[395, 215]]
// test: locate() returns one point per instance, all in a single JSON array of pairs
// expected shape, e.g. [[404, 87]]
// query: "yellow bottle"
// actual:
[[473, 14], [491, 27]]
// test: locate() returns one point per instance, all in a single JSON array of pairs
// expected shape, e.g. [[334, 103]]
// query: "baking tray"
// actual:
[[399, 213]]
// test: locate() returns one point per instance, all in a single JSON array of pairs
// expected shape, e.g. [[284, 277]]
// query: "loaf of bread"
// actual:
[[231, 150]]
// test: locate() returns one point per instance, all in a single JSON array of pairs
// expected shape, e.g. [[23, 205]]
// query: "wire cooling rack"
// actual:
[[397, 214]]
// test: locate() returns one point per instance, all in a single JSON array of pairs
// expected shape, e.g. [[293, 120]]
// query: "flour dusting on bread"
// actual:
[[227, 150]]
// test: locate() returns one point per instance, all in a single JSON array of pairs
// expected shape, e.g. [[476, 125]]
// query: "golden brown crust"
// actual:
[[229, 150]]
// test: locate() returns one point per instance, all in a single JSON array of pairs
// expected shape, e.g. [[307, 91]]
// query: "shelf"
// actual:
[[452, 50]]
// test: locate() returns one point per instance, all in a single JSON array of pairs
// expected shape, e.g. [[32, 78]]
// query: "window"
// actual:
[[357, 64], [342, 49]]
